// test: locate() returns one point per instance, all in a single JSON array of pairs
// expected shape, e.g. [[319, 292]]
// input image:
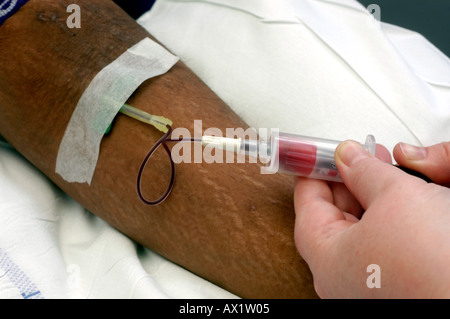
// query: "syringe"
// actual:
[[290, 154], [296, 154]]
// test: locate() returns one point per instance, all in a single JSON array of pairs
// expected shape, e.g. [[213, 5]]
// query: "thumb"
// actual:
[[364, 175], [432, 161]]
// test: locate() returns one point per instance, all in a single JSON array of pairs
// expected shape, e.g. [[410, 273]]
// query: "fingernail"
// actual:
[[413, 153], [350, 152]]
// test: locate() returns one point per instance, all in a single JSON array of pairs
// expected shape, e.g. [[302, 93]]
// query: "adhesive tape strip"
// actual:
[[100, 103]]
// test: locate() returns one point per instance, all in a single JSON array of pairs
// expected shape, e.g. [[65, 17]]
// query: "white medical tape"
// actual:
[[100, 103]]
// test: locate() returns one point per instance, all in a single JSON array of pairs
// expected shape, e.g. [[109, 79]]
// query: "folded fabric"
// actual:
[[9, 7]]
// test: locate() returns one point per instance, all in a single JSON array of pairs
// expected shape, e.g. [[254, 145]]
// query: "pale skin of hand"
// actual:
[[380, 216]]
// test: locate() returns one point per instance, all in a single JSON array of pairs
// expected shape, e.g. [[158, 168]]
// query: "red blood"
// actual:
[[296, 156], [332, 173]]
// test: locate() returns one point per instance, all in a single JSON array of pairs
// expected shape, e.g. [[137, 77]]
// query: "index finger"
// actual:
[[317, 218]]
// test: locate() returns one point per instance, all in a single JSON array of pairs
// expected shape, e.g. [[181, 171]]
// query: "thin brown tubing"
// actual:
[[162, 141]]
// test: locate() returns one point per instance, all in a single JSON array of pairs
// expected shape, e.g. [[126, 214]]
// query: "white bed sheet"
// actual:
[[314, 67]]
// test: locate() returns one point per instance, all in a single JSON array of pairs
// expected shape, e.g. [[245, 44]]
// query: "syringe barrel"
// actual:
[[307, 156]]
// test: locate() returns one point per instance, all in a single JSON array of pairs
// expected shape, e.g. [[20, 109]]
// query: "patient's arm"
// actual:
[[224, 222]]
